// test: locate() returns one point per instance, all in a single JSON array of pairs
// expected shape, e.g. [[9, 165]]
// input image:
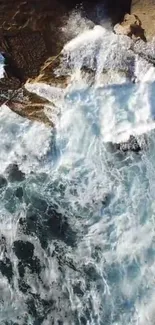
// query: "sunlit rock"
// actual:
[[48, 74], [131, 26], [145, 10]]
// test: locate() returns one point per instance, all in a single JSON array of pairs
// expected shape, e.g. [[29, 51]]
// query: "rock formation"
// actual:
[[30, 37], [141, 21], [30, 33], [145, 10], [131, 26], [47, 73]]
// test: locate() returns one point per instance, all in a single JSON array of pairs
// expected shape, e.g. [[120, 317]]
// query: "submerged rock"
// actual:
[[14, 173], [6, 268], [23, 249], [131, 145], [3, 181], [19, 193]]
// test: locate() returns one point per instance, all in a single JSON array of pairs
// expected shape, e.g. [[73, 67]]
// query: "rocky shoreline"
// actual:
[[31, 39]]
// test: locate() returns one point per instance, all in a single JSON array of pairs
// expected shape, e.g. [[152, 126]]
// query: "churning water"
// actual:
[[77, 215]]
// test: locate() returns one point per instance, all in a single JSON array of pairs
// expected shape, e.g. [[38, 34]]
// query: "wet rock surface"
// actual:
[[31, 36], [131, 145], [48, 75], [30, 33], [29, 105]]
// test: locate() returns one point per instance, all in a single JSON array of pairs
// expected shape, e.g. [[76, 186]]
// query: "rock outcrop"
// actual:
[[145, 10], [28, 105], [30, 32], [31, 36], [141, 21], [131, 26], [48, 74]]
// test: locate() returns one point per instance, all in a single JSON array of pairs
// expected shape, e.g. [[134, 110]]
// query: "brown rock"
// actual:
[[48, 73], [131, 26], [28, 105], [145, 10], [30, 32], [30, 35]]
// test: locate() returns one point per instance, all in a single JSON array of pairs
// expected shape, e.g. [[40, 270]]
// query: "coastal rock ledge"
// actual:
[[31, 38]]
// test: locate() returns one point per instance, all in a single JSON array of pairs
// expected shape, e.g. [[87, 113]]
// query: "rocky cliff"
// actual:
[[30, 32], [31, 36]]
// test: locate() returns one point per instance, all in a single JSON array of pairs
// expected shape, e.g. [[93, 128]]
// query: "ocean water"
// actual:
[[77, 215]]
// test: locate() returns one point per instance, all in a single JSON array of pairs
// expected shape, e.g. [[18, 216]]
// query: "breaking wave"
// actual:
[[77, 213]]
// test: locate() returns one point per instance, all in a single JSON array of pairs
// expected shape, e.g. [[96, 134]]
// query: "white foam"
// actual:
[[88, 37], [50, 93], [20, 140], [115, 236]]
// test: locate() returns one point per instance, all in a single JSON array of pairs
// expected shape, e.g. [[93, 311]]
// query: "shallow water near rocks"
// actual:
[[77, 214]]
